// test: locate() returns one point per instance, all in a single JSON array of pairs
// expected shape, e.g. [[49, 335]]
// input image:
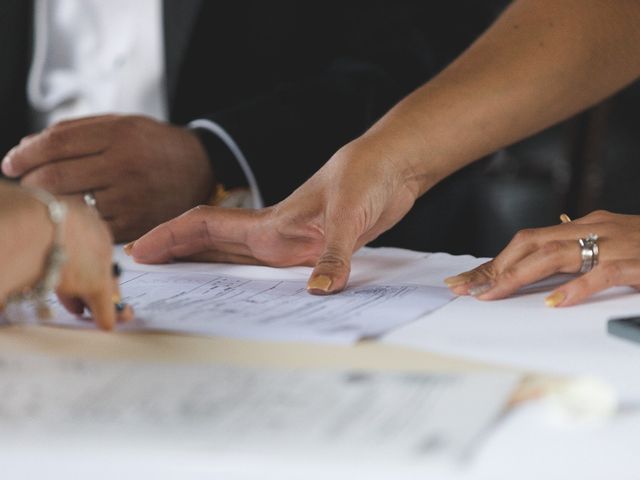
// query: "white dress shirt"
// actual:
[[97, 56]]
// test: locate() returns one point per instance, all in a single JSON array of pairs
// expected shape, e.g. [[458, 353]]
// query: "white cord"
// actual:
[[34, 81], [222, 134]]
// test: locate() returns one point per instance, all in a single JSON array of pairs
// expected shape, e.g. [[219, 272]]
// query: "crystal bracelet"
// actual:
[[55, 259]]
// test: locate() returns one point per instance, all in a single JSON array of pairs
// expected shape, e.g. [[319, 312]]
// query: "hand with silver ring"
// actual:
[[610, 258], [142, 171]]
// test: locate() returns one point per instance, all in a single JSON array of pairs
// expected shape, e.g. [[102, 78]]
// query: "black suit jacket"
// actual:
[[293, 81], [290, 81]]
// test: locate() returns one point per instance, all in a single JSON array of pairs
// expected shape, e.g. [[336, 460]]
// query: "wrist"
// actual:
[[227, 169], [394, 164], [25, 249], [194, 151]]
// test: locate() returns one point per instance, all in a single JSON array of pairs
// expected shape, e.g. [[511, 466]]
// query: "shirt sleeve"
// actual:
[[220, 133]]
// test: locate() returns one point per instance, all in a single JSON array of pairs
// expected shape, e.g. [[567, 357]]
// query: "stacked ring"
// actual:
[[589, 252], [90, 199]]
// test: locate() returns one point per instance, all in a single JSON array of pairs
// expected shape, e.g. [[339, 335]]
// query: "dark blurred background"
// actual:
[[241, 50], [589, 162]]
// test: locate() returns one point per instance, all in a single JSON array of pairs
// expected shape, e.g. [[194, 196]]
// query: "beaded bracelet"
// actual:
[[55, 259]]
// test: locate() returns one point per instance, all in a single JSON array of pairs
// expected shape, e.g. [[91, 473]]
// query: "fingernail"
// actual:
[[479, 289], [319, 284], [115, 298], [7, 165], [555, 299], [457, 280], [128, 247], [120, 306]]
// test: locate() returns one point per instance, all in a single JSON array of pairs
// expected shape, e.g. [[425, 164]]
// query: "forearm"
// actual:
[[542, 61], [26, 236]]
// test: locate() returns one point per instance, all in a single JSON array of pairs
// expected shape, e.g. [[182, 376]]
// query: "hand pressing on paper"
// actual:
[[491, 96], [538, 253], [141, 172], [321, 224]]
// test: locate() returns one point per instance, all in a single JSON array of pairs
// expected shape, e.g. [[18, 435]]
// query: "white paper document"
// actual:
[[255, 307], [244, 417], [522, 332]]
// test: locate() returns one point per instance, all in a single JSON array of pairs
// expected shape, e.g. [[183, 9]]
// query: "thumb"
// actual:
[[332, 269], [102, 309], [179, 237], [197, 231]]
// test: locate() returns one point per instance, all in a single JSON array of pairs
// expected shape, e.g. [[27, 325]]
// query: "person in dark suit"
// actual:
[[288, 82]]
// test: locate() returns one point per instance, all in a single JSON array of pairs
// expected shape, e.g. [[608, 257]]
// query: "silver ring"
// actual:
[[589, 252], [90, 199]]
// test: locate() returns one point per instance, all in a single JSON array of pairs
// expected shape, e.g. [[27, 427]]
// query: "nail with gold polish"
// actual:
[[319, 284], [564, 218], [457, 280], [555, 299], [479, 289]]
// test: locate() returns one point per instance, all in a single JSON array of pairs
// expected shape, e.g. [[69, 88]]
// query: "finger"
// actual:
[[214, 256], [69, 177], [299, 252], [524, 243], [199, 230], [110, 206], [597, 216], [72, 121], [604, 276], [331, 272], [26, 138], [102, 118], [553, 257], [482, 274], [102, 309], [55, 143]]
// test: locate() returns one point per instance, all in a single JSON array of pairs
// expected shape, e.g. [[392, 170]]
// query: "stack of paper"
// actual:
[[242, 420]]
